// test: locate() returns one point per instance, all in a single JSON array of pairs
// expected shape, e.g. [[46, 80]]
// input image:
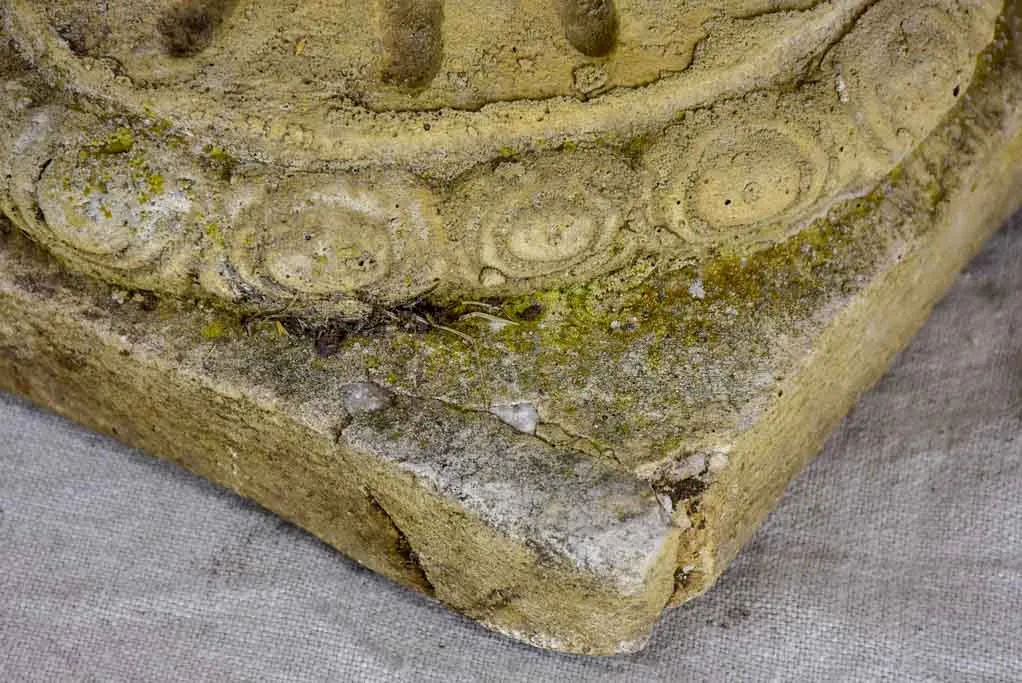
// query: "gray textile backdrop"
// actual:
[[896, 556]]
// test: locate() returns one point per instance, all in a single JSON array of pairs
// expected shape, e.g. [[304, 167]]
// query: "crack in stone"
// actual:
[[404, 547], [606, 453]]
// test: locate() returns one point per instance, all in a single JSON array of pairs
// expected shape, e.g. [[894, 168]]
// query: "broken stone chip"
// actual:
[[534, 310]]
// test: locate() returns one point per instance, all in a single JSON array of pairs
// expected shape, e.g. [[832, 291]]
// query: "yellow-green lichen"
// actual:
[[217, 329], [220, 161], [155, 183], [677, 336], [215, 234], [119, 142]]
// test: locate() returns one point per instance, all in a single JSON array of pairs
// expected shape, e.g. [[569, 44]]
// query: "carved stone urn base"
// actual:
[[559, 443]]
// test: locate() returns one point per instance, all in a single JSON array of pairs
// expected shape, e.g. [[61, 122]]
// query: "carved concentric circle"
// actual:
[[324, 236], [550, 219], [537, 239], [546, 233], [373, 151], [115, 204], [310, 253], [741, 180], [902, 68]]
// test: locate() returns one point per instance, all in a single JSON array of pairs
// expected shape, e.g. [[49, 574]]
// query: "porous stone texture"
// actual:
[[533, 307]]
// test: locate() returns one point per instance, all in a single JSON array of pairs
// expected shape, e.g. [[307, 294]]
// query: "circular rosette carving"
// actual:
[[549, 220], [321, 238], [901, 69], [742, 180], [118, 207]]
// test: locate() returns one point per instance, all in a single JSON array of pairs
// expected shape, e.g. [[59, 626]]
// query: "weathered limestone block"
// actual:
[[534, 307]]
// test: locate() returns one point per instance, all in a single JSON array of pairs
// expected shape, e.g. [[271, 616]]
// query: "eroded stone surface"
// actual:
[[187, 163], [538, 341]]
